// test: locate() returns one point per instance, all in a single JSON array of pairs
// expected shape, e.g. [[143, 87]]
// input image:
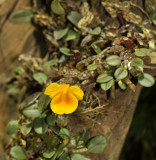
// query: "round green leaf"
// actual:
[[78, 157], [31, 111], [40, 77], [51, 62], [74, 17], [92, 67], [58, 34], [21, 16], [152, 17], [65, 51], [120, 73], [137, 62], [122, 85], [48, 154], [12, 126], [43, 102], [25, 129], [71, 35], [64, 133], [95, 31], [146, 80], [107, 85], [97, 144], [18, 153], [142, 52], [57, 8], [113, 60], [51, 119], [40, 125], [105, 77], [64, 157]]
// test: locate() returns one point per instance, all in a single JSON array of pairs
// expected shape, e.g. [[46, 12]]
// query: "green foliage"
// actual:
[[137, 62], [40, 77], [77, 157], [18, 153], [57, 8], [25, 129], [113, 60], [120, 73], [141, 52], [59, 34], [105, 77], [12, 126], [48, 154], [107, 85], [71, 35], [21, 16], [92, 67], [97, 144], [65, 51], [95, 31], [64, 133], [51, 62]]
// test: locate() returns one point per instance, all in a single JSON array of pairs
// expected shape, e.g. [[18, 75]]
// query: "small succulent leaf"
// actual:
[[137, 62], [64, 133], [122, 85], [113, 60], [78, 157], [120, 73], [51, 62], [95, 31], [18, 153], [31, 111], [59, 34], [97, 144], [141, 52], [40, 77], [146, 80], [104, 77], [48, 154], [25, 129], [74, 17], [51, 119], [43, 102], [71, 35], [65, 51], [40, 125], [11, 127], [107, 85], [21, 16], [57, 8], [92, 67]]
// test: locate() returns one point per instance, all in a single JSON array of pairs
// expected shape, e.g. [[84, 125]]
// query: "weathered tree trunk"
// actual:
[[20, 38]]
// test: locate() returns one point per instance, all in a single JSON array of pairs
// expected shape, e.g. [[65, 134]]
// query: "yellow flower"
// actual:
[[64, 98]]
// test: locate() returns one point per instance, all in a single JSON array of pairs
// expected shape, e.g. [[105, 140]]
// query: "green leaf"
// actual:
[[122, 85], [21, 16], [18, 153], [107, 85], [71, 35], [74, 17], [51, 119], [51, 62], [31, 111], [64, 133], [31, 99], [137, 62], [43, 102], [40, 77], [64, 157], [25, 129], [104, 77], [96, 49], [92, 67], [78, 157], [97, 144], [97, 42], [48, 154], [142, 52], [95, 31], [85, 136], [57, 8], [152, 17], [120, 73], [13, 89], [40, 125], [65, 51], [113, 60], [58, 34], [12, 126], [55, 129], [146, 80]]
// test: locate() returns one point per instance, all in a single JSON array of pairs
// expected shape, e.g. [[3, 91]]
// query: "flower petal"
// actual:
[[64, 103], [77, 92], [52, 90]]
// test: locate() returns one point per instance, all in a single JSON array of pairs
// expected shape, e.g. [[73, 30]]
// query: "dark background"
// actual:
[[140, 143]]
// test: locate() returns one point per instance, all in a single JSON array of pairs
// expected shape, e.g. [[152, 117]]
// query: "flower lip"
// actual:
[[64, 97]]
